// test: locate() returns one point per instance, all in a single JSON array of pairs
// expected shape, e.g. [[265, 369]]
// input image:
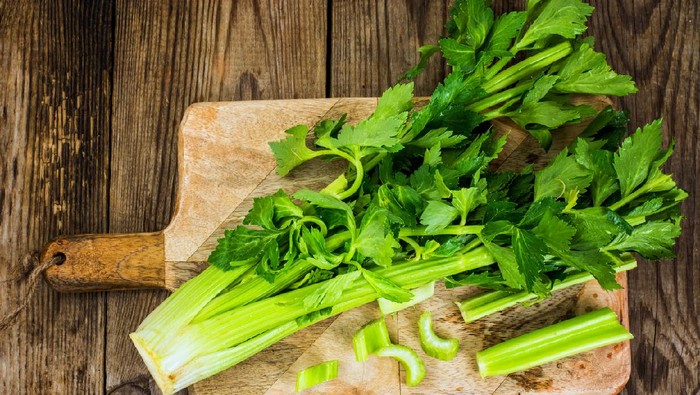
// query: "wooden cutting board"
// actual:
[[224, 162]]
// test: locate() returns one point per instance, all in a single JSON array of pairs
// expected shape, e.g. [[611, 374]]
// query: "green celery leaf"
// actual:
[[596, 226], [485, 279], [386, 288], [458, 55], [473, 20], [456, 117], [505, 29], [269, 264], [649, 207], [529, 254], [537, 211], [497, 210], [467, 199], [441, 187], [372, 132], [327, 130], [554, 231], [565, 18], [241, 245], [316, 245], [330, 291], [346, 218], [587, 71], [437, 215], [495, 228], [600, 164], [594, 262], [561, 175], [542, 135], [652, 240], [394, 101], [433, 156], [451, 246], [635, 156], [312, 317], [403, 202], [423, 182], [441, 136], [539, 89], [292, 151], [426, 52], [507, 264], [550, 114], [262, 213], [375, 239], [285, 207]]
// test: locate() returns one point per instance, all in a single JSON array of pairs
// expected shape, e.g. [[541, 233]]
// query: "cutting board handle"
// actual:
[[106, 262]]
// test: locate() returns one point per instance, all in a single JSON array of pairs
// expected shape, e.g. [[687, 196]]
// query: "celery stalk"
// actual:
[[420, 294], [272, 318], [583, 333], [487, 303]]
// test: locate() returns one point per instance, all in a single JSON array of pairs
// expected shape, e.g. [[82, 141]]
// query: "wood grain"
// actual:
[[110, 262], [374, 42], [167, 56], [54, 160], [59, 60], [658, 42]]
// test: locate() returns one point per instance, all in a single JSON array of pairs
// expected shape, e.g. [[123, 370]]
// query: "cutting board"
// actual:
[[224, 162]]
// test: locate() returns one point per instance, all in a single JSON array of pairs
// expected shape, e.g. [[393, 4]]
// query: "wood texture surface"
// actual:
[[61, 61], [106, 262]]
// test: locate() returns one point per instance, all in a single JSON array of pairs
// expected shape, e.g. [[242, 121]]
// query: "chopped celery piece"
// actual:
[[432, 344], [420, 294], [317, 374], [370, 338], [583, 333], [491, 302], [414, 366]]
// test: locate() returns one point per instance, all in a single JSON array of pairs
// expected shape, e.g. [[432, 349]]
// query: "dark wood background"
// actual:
[[91, 93]]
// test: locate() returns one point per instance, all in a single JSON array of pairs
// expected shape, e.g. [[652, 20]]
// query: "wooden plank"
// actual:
[[659, 44], [171, 54], [374, 42], [54, 162]]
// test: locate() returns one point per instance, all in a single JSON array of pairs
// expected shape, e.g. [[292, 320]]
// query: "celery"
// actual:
[[583, 333], [411, 362], [370, 338], [419, 295], [432, 344], [491, 302], [317, 374], [226, 337]]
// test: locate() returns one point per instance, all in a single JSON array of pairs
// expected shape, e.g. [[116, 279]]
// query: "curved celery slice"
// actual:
[[414, 366], [583, 333], [432, 344], [420, 294], [370, 338], [317, 374]]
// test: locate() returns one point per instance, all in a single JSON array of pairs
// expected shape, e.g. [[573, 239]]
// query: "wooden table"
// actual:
[[92, 92]]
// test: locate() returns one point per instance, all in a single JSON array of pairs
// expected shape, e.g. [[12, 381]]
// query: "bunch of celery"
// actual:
[[418, 202]]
